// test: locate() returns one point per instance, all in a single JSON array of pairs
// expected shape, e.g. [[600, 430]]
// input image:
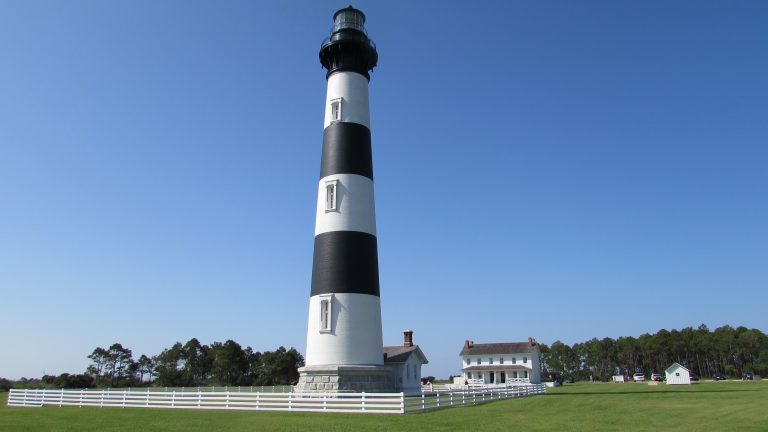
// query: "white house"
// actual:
[[677, 374], [501, 363], [405, 361]]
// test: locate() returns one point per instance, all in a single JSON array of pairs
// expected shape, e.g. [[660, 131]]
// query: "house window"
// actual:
[[335, 110], [514, 360], [677, 373], [469, 375], [326, 303], [490, 360], [480, 375], [525, 359], [501, 360], [478, 360], [468, 361], [525, 374], [331, 194]]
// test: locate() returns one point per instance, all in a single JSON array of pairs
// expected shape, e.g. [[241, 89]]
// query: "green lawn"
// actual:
[[709, 406]]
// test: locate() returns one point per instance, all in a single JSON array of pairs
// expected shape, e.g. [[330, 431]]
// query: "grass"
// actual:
[[707, 406]]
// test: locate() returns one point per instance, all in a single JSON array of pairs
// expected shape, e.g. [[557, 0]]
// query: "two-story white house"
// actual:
[[500, 363]]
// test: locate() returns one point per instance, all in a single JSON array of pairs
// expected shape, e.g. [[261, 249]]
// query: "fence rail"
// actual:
[[380, 403], [428, 401]]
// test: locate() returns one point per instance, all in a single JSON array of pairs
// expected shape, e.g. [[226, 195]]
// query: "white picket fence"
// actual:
[[473, 396], [380, 403]]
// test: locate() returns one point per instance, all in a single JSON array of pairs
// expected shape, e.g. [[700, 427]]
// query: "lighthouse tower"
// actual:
[[344, 342]]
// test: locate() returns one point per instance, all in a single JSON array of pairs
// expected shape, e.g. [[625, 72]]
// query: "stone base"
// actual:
[[345, 379]]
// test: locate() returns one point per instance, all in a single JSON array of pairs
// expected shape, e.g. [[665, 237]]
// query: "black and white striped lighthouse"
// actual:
[[344, 341]]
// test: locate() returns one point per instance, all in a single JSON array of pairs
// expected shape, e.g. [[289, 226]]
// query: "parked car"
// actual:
[[748, 376], [719, 377], [657, 377], [638, 377], [569, 380], [694, 377]]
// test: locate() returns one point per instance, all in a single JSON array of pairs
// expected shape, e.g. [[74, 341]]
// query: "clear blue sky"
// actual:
[[553, 169]]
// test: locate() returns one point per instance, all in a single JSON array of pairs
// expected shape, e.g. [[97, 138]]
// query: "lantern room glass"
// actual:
[[349, 19]]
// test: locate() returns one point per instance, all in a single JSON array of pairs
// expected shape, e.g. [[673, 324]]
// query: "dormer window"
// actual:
[[335, 110], [331, 195]]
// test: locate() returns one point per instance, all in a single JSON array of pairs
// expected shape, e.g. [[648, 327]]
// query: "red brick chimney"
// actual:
[[531, 341], [408, 338]]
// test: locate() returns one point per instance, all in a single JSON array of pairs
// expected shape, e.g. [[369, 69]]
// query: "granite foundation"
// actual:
[[345, 379]]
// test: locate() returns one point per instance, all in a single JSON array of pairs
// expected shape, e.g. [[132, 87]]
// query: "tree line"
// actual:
[[726, 350], [189, 365]]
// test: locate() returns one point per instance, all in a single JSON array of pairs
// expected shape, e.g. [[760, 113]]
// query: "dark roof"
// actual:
[[400, 354], [500, 367], [498, 348]]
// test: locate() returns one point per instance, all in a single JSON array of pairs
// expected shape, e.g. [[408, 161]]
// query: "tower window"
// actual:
[[326, 303], [335, 110], [331, 195]]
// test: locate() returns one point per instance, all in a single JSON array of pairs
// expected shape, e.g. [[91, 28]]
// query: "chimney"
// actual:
[[531, 341], [408, 338]]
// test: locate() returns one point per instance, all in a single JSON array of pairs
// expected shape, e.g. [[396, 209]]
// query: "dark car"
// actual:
[[569, 380], [718, 377], [694, 377], [748, 376]]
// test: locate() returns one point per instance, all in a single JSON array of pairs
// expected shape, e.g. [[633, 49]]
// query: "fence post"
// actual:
[[423, 407], [363, 401]]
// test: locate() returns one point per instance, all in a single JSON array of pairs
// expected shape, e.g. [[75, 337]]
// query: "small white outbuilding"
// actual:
[[677, 374]]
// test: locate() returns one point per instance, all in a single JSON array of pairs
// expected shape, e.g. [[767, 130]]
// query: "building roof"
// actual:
[[401, 354], [497, 348], [675, 366], [495, 367]]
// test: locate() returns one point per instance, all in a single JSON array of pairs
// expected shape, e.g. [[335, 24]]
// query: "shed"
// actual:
[[406, 362], [677, 374]]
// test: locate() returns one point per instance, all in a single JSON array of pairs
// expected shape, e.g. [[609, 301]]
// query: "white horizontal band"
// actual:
[[352, 89], [355, 209]]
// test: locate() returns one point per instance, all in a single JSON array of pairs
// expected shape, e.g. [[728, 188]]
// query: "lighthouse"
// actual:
[[344, 340]]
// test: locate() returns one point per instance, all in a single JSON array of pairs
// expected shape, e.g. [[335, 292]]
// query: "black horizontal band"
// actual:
[[346, 150], [345, 262]]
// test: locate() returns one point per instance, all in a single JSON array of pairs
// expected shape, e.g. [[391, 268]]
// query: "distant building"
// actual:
[[501, 363], [678, 374], [405, 361]]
